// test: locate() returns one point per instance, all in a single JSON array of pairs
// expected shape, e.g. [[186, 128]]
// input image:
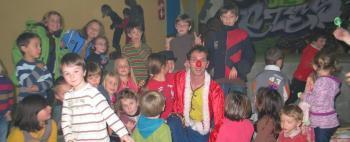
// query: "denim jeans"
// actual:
[[3, 128], [180, 133], [324, 134]]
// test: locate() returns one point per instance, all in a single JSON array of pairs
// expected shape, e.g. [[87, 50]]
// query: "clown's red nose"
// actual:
[[198, 63]]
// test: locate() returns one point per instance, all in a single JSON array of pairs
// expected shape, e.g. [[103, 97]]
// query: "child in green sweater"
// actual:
[[150, 128]]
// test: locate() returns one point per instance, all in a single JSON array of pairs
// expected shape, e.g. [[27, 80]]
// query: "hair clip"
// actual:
[[273, 86]]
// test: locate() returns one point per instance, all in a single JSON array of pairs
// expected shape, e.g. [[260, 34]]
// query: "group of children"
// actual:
[[132, 92]]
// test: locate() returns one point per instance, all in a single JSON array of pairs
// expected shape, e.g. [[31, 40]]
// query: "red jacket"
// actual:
[[305, 64], [215, 100]]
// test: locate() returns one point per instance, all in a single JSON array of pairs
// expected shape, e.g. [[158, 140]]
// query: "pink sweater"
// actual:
[[235, 131], [321, 100]]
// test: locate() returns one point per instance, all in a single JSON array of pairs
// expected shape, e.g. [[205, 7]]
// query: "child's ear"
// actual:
[[189, 28], [22, 48]]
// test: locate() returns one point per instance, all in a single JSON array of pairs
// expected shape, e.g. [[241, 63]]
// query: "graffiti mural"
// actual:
[[259, 20]]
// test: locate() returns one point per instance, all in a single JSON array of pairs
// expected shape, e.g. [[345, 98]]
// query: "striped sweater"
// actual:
[[85, 115], [29, 74], [6, 95], [138, 58]]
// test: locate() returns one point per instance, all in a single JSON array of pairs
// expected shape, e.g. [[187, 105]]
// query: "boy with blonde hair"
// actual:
[[150, 128]]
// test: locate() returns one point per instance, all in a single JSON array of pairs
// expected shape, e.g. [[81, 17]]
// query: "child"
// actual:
[[137, 51], [304, 69], [170, 60], [232, 53], [323, 116], [272, 75], [49, 30], [110, 84], [268, 104], [93, 77], [60, 88], [183, 41], [127, 106], [126, 74], [236, 126], [85, 111], [81, 41], [100, 47], [32, 74], [32, 121], [150, 128], [6, 101], [291, 121], [160, 81]]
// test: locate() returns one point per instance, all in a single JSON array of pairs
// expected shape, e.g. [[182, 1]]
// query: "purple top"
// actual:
[[321, 100]]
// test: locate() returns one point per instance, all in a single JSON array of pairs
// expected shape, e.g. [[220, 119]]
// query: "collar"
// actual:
[[293, 133], [313, 46], [201, 127], [272, 67]]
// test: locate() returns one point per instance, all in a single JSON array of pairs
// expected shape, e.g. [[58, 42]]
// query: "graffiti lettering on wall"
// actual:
[[259, 19]]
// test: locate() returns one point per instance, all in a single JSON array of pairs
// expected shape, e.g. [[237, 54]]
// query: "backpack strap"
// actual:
[[47, 132], [29, 138]]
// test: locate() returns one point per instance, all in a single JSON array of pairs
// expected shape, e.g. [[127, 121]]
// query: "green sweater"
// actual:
[[162, 134], [32, 26]]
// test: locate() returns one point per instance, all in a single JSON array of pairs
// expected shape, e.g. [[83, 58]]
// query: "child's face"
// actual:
[[100, 46], [320, 42], [93, 30], [182, 27], [135, 35], [73, 74], [44, 114], [122, 67], [94, 79], [53, 23], [129, 106], [111, 85], [61, 90], [228, 18], [170, 64], [289, 123], [33, 48]]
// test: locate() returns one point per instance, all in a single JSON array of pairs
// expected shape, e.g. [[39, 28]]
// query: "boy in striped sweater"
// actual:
[[137, 51], [32, 74], [85, 111]]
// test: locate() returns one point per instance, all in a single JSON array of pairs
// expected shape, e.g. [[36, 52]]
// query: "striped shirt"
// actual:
[[138, 58], [29, 74], [85, 115], [6, 95]]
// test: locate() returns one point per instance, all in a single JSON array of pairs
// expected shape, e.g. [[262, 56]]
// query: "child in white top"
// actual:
[[85, 111]]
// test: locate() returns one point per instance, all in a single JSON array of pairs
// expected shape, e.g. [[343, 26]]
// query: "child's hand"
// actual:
[[130, 125], [347, 75], [8, 116], [309, 83], [126, 138], [40, 65], [197, 39], [167, 42], [233, 73], [342, 34], [141, 83]]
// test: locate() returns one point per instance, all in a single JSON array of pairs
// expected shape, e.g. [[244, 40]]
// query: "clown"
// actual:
[[198, 101]]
